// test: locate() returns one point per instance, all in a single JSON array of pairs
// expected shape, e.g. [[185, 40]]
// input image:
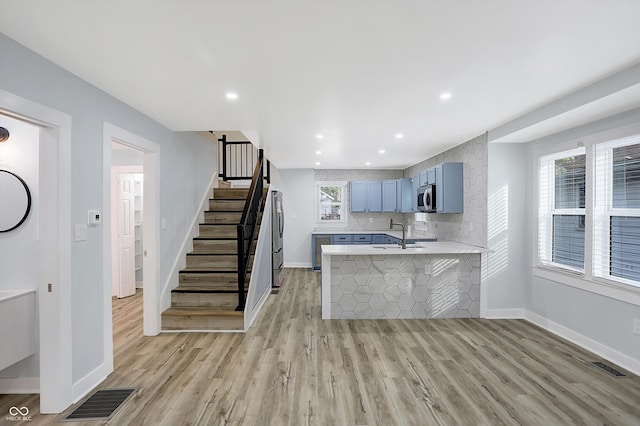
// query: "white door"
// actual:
[[126, 235]]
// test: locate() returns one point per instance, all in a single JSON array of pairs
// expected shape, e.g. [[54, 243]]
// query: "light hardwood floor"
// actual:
[[292, 368]]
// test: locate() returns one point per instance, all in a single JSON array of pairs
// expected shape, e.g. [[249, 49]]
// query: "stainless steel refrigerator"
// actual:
[[277, 232]]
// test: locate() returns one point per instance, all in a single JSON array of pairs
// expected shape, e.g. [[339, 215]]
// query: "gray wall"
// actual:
[[605, 320], [469, 227], [506, 226], [299, 205], [188, 161]]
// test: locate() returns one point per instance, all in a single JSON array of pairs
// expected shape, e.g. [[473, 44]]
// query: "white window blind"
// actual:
[[561, 213], [616, 214]]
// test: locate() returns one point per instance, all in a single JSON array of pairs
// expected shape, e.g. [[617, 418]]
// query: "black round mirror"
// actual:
[[15, 201]]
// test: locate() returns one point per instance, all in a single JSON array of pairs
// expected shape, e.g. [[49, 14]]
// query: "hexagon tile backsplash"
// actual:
[[396, 286]]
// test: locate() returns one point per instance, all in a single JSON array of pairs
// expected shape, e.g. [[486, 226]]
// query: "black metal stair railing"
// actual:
[[236, 160], [248, 225]]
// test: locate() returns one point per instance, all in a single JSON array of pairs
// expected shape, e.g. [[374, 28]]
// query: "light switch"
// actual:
[[163, 223], [80, 232]]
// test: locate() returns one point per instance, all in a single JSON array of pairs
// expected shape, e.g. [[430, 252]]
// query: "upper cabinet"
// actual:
[[376, 196], [366, 196], [449, 188]]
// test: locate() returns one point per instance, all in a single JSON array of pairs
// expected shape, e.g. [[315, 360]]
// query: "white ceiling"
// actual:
[[356, 71]]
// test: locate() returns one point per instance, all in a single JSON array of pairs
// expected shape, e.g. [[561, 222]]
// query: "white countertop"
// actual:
[[396, 234], [435, 247]]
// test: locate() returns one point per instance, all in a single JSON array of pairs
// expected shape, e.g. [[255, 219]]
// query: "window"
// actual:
[[331, 207], [616, 227], [562, 202]]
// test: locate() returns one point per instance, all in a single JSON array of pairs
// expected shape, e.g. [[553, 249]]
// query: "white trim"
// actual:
[[186, 247], [342, 223], [19, 385], [516, 313], [298, 265], [611, 290], [263, 299], [83, 386], [54, 309], [624, 361], [151, 237]]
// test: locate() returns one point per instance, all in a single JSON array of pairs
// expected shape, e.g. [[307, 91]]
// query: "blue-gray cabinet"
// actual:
[[358, 196], [415, 184], [449, 188], [389, 196], [365, 196], [397, 195]]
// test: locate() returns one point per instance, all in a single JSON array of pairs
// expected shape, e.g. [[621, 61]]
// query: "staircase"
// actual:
[[207, 295]]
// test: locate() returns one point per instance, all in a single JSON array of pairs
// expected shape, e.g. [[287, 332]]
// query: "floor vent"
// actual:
[[102, 405], [608, 369]]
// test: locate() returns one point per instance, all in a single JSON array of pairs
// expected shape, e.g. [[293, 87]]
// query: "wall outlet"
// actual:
[[427, 269], [636, 326], [370, 220]]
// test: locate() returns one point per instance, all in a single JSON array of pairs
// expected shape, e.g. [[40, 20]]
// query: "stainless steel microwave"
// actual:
[[427, 198]]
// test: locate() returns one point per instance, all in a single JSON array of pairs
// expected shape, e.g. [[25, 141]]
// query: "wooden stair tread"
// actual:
[[208, 289], [199, 311], [202, 269]]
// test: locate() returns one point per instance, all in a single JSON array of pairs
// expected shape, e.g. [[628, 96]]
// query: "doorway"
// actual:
[[127, 225], [150, 206]]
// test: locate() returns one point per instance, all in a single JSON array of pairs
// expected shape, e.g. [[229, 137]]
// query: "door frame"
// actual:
[[150, 238], [54, 308]]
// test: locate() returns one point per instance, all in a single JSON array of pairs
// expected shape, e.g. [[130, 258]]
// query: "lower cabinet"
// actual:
[[316, 247]]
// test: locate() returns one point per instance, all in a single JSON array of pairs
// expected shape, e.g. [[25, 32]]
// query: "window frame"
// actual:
[[603, 209], [546, 201], [344, 185], [565, 141]]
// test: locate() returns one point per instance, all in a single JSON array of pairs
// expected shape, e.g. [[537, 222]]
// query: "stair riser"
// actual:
[[208, 300], [218, 231], [221, 261], [215, 246], [230, 193], [175, 322], [222, 217], [226, 205], [210, 279]]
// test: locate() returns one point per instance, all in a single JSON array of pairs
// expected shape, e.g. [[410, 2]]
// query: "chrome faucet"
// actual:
[[404, 241]]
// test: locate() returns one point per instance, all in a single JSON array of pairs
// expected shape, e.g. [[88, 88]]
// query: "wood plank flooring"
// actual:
[[292, 368]]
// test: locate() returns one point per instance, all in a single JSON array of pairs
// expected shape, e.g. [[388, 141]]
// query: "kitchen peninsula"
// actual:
[[427, 280]]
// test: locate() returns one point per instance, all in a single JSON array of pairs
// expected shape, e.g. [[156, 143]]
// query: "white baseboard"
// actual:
[[298, 265], [83, 386], [624, 361], [504, 314], [19, 385]]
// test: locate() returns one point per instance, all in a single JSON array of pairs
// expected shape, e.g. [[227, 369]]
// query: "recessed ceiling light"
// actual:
[[445, 95], [317, 163], [319, 136], [381, 151], [399, 136], [232, 96], [318, 152], [368, 163]]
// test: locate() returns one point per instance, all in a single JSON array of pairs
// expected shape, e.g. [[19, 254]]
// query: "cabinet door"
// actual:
[[358, 196], [440, 188], [422, 178], [379, 239], [404, 195], [316, 245], [415, 184], [431, 175], [389, 196], [374, 196]]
